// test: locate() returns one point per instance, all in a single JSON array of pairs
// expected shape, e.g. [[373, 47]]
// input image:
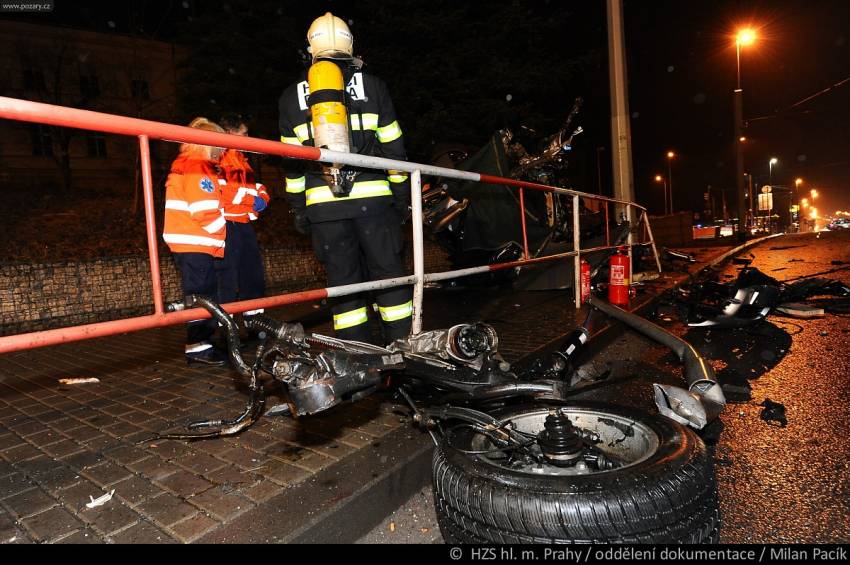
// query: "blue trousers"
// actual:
[[197, 273], [240, 273]]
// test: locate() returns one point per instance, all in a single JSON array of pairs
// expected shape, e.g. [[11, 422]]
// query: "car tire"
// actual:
[[669, 495]]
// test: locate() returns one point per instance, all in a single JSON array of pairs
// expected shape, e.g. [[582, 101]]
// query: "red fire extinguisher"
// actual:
[[585, 280], [618, 279]]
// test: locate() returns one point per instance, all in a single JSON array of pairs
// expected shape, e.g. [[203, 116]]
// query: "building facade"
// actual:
[[108, 73]]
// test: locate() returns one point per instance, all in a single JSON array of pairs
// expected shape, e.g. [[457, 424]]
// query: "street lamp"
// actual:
[[659, 178], [744, 37], [773, 161], [670, 156], [797, 182]]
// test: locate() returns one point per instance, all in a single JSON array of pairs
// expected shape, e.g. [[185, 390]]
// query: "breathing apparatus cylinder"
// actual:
[[329, 116], [327, 106]]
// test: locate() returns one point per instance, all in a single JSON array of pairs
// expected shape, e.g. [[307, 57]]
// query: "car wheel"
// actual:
[[664, 490]]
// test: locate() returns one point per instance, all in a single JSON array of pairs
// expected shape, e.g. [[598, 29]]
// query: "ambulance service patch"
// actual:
[[207, 185]]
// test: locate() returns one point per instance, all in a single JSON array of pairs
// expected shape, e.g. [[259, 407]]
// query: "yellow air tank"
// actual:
[[327, 106]]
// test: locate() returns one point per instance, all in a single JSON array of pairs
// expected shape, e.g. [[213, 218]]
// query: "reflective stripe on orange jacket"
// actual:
[[238, 194], [194, 218]]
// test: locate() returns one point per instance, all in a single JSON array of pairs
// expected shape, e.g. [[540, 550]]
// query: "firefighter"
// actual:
[[195, 231], [354, 215], [240, 272]]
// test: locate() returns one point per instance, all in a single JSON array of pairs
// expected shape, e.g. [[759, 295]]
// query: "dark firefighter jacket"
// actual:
[[374, 131]]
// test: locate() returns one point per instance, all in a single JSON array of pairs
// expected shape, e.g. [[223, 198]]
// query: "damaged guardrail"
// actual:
[[145, 130]]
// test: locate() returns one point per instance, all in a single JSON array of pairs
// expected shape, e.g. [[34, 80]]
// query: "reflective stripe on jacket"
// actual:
[[239, 190], [194, 218]]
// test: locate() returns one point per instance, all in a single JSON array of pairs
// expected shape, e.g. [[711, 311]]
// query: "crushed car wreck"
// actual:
[[513, 433]]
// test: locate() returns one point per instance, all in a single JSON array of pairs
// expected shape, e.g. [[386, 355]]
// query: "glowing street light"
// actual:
[[659, 178], [746, 36], [773, 161], [814, 194], [805, 202]]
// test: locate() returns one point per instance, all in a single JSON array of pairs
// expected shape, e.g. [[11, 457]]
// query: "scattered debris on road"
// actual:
[[800, 310], [79, 381], [100, 501], [773, 412]]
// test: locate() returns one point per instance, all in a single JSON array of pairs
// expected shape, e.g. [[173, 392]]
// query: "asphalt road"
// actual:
[[780, 484]]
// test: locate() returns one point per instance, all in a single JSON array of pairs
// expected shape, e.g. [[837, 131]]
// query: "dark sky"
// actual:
[[681, 58], [682, 72]]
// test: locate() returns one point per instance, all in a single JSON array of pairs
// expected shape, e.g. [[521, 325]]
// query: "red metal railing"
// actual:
[[144, 130]]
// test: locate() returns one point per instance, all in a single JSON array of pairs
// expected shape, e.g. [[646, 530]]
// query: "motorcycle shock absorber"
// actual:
[[574, 343]]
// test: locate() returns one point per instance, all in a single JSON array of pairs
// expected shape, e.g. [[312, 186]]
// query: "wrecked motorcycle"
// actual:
[[514, 460]]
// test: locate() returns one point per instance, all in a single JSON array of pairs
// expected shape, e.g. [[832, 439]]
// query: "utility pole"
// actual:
[[621, 137], [739, 162]]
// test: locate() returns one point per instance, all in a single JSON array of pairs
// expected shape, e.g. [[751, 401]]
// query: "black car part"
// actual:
[[650, 480], [749, 299], [504, 472]]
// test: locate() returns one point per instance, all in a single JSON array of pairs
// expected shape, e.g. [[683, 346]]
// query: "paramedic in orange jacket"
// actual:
[[195, 230], [240, 273]]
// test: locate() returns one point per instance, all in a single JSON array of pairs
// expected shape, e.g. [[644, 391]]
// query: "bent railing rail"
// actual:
[[145, 130]]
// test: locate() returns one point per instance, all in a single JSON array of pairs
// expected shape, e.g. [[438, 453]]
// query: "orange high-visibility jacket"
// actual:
[[238, 195], [194, 217]]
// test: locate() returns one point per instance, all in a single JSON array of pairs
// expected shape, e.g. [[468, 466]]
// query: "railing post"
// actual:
[[150, 224], [652, 240], [418, 250], [522, 218], [577, 249]]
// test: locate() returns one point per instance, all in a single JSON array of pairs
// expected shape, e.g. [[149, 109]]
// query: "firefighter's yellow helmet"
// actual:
[[329, 37]]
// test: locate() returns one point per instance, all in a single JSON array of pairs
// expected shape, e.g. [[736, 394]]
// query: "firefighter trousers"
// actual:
[[358, 250], [240, 272]]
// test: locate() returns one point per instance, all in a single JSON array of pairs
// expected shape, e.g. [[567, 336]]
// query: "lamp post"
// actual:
[[771, 163], [670, 156], [814, 211], [797, 182], [659, 178], [743, 38]]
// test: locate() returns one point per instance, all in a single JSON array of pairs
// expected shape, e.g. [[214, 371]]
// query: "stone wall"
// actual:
[[49, 295]]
